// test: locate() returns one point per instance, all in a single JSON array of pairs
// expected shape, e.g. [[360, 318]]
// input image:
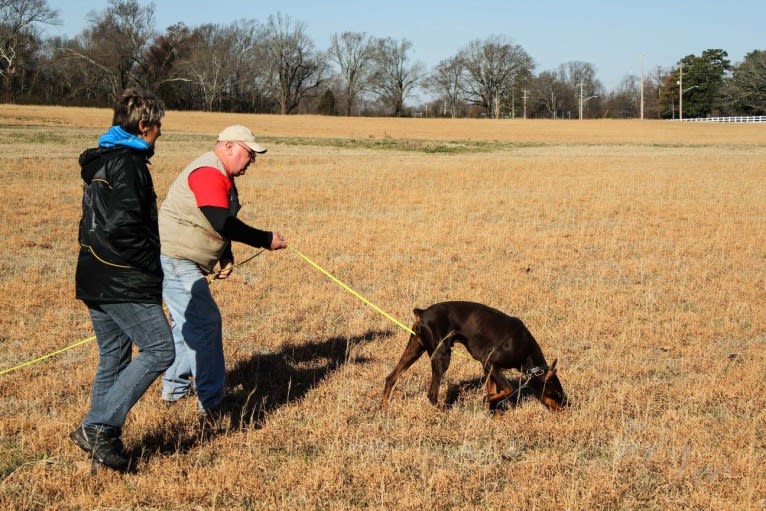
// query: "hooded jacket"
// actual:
[[119, 258]]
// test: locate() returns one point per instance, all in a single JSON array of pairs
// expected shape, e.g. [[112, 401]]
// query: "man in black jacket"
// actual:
[[119, 276]]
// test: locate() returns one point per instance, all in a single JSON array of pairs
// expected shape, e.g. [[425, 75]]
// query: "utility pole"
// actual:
[[642, 87], [525, 103], [681, 91]]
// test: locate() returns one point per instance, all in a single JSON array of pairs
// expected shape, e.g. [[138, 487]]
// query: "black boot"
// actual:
[[103, 444]]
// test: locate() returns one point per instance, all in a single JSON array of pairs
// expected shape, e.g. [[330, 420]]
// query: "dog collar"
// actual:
[[536, 371]]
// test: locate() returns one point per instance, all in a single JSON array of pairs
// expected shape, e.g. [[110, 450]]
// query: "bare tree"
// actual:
[[353, 52], [159, 66], [247, 69], [216, 67], [63, 78], [579, 78], [653, 91], [210, 64], [446, 81], [549, 91], [394, 78], [115, 42], [120, 34], [575, 72], [294, 68], [624, 102], [17, 32], [491, 67]]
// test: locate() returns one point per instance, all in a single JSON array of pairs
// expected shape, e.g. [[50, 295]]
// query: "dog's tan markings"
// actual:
[[480, 329]]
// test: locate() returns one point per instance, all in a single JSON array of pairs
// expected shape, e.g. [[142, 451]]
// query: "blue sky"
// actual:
[[614, 35]]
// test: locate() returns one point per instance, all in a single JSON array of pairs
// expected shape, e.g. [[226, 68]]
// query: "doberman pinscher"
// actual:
[[493, 338]]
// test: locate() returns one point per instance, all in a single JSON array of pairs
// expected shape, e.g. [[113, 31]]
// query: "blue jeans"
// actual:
[[120, 379], [196, 325]]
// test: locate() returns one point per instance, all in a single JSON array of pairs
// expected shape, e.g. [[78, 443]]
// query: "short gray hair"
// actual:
[[135, 106]]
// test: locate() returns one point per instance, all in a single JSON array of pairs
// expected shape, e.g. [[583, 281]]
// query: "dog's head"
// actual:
[[548, 389]]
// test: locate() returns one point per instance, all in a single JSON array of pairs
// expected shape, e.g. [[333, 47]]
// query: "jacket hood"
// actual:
[[92, 160]]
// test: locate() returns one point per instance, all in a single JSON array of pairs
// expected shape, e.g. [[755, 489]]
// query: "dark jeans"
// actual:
[[120, 379]]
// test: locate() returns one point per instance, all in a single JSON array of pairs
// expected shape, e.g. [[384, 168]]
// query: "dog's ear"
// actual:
[[551, 372], [417, 312]]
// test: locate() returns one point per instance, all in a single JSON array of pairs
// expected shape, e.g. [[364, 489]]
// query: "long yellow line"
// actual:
[[365, 300], [39, 359], [88, 339], [306, 258], [353, 292]]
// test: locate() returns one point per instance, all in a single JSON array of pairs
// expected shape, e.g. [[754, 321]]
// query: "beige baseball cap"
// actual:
[[239, 133]]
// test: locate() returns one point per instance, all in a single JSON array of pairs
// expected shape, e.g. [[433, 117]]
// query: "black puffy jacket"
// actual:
[[119, 239]]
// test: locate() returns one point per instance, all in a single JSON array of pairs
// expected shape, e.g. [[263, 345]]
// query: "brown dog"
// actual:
[[493, 338]]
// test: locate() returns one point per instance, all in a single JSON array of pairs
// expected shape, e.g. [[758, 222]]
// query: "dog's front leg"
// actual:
[[440, 360], [491, 386], [500, 389]]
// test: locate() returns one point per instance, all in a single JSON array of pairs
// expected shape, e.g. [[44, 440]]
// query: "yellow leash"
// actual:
[[353, 292], [88, 339], [40, 359], [304, 257], [365, 300]]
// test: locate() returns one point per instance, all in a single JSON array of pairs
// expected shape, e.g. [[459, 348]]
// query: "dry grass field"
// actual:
[[634, 251]]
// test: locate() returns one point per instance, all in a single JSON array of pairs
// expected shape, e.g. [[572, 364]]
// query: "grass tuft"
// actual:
[[634, 252]]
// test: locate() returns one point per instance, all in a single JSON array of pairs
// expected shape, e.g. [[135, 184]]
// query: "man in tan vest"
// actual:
[[197, 222]]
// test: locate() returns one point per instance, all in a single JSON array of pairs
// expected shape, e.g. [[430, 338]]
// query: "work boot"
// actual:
[[215, 420], [103, 444], [222, 416], [83, 439]]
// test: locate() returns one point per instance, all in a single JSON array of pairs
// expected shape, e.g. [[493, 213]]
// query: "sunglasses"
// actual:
[[250, 152]]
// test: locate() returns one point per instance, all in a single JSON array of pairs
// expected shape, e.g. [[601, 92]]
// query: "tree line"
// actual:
[[274, 66]]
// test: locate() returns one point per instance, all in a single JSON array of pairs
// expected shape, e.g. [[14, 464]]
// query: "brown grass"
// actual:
[[634, 251]]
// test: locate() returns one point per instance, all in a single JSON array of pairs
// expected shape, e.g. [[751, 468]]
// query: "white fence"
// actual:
[[752, 118]]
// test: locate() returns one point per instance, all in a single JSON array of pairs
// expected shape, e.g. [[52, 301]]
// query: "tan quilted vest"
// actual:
[[185, 233]]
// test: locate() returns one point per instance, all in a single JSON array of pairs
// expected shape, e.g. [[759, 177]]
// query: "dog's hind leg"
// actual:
[[412, 352]]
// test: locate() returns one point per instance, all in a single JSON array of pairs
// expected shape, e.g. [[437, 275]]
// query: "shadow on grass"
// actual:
[[454, 392], [260, 385], [264, 383]]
